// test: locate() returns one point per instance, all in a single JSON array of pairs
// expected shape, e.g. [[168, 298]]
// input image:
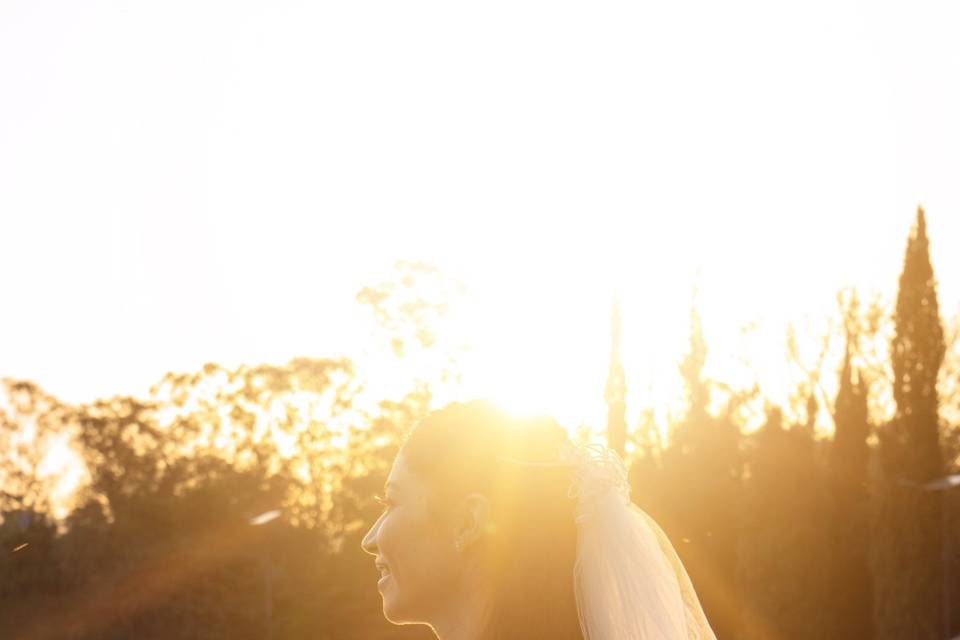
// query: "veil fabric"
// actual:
[[628, 580]]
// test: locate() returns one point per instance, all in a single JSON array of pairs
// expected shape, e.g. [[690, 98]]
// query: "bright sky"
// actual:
[[183, 182]]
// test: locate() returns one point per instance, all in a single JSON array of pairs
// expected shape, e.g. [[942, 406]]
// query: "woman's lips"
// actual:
[[384, 574]]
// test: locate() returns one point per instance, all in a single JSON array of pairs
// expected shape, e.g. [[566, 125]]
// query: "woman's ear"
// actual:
[[475, 519]]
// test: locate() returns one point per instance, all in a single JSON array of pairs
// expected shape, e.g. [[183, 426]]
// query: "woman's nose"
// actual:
[[369, 543]]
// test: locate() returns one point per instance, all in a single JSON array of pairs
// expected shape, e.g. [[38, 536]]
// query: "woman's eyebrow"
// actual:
[[390, 484]]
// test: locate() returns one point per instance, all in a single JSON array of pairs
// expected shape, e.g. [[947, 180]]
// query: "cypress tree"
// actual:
[[849, 572], [783, 552], [700, 491], [906, 553]]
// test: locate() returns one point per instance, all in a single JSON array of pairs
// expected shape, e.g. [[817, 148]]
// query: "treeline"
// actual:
[[229, 503], [172, 535], [788, 535]]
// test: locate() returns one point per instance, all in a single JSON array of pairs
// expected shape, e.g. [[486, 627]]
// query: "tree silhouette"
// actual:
[[30, 428], [783, 550], [772, 526], [414, 308], [906, 554], [849, 570], [700, 489]]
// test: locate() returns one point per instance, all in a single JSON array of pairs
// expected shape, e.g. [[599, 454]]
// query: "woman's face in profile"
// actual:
[[414, 549]]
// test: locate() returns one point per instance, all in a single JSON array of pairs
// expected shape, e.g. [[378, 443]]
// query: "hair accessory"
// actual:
[[598, 473]]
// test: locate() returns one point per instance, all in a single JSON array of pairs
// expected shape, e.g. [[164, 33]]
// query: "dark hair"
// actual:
[[531, 547]]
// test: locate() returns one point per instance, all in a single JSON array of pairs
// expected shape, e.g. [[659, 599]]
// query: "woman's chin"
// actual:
[[395, 612], [391, 610], [393, 615]]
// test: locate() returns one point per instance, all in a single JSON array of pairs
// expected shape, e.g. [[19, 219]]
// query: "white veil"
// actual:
[[629, 581]]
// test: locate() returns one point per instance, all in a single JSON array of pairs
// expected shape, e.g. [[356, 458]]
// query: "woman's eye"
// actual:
[[383, 502]]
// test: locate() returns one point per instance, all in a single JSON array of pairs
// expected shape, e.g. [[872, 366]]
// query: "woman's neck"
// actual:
[[467, 616]]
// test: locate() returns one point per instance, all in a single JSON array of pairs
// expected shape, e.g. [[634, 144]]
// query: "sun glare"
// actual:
[[539, 345]]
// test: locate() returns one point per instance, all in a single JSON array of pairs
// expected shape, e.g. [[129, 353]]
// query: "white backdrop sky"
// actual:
[[183, 182]]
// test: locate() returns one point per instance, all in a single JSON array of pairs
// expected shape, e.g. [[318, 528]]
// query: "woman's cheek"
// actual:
[[395, 541]]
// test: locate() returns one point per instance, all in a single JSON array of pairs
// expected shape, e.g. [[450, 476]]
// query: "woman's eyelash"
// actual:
[[383, 502]]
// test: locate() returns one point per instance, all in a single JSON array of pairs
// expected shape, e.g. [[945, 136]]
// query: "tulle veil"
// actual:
[[629, 582]]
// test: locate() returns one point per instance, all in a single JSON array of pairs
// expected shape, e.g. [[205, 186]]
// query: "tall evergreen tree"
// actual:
[[849, 573], [700, 490], [616, 390], [783, 547], [907, 546]]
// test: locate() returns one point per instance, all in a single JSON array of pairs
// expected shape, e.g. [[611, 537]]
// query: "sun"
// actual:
[[542, 353]]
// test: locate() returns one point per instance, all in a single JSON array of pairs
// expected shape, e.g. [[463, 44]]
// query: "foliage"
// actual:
[[787, 533], [784, 546], [695, 490], [906, 553], [848, 519], [32, 425]]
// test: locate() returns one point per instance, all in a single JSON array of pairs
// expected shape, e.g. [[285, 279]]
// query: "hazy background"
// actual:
[[184, 182]]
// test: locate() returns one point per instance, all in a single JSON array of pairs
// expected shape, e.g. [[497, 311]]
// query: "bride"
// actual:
[[495, 527]]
